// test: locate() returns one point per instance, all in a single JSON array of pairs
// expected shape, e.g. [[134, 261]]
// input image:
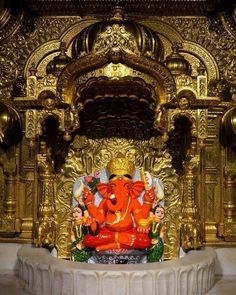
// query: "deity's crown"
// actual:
[[120, 166]]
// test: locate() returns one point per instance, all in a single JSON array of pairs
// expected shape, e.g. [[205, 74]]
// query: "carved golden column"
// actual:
[[45, 226], [30, 198], [230, 205], [228, 228], [191, 227], [10, 224]]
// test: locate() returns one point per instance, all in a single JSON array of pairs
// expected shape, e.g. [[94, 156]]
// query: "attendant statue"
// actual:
[[156, 234], [79, 252]]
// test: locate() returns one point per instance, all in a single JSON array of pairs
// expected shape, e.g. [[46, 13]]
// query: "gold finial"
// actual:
[[120, 166], [118, 13]]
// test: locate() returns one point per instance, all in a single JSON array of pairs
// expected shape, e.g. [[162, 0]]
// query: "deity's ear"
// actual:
[[104, 190], [135, 189]]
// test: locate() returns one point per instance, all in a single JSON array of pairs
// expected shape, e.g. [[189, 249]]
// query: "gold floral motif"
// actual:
[[116, 36]]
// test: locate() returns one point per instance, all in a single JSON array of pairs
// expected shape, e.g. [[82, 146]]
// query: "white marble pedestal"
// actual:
[[40, 273]]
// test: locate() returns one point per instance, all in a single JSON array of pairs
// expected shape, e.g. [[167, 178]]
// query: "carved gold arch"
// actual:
[[69, 77]]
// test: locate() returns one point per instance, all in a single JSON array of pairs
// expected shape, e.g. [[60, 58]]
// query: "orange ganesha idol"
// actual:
[[119, 215]]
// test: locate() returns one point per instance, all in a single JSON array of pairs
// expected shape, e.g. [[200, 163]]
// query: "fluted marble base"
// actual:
[[40, 273]]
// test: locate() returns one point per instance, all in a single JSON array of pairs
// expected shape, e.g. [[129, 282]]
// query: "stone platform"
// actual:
[[40, 273]]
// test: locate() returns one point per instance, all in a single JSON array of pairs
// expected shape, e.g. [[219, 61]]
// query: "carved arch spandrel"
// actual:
[[51, 47], [86, 156], [171, 33]]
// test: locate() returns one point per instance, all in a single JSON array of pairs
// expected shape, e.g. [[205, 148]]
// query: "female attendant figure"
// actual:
[[156, 234], [79, 229]]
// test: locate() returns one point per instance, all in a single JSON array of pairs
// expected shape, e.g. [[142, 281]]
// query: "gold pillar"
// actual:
[[10, 224], [229, 205], [45, 226], [191, 226]]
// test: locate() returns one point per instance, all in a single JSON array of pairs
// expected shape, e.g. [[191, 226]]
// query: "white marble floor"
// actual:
[[225, 285], [9, 285]]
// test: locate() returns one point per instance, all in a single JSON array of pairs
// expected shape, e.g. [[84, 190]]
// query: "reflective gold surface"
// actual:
[[178, 125]]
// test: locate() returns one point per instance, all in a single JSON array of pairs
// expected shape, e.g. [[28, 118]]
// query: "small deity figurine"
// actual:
[[156, 233], [183, 103], [79, 252], [120, 212]]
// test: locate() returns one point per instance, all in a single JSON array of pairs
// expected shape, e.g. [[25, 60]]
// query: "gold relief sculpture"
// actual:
[[201, 81], [8, 71], [31, 124], [202, 131], [179, 30], [45, 227], [186, 82], [191, 225], [116, 35], [36, 85]]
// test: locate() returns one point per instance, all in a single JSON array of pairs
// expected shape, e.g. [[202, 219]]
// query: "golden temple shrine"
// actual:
[[84, 80]]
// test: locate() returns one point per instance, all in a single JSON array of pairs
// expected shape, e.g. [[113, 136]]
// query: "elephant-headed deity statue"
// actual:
[[120, 202]]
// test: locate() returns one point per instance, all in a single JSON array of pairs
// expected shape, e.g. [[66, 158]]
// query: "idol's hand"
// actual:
[[143, 226], [144, 230], [81, 202], [87, 196], [89, 221], [150, 196]]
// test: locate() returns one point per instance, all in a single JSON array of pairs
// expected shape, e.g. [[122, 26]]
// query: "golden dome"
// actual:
[[10, 125], [229, 125], [117, 34], [56, 65], [176, 63]]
